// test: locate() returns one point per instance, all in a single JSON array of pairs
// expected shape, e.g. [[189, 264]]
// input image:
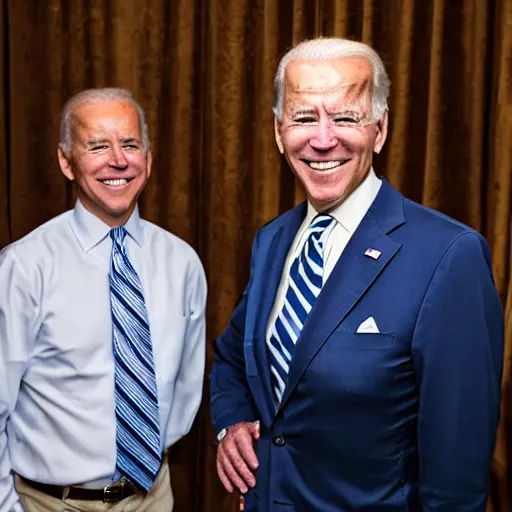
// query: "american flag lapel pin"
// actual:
[[373, 253]]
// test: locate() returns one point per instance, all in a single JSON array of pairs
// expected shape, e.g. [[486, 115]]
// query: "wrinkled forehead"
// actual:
[[106, 114], [342, 80]]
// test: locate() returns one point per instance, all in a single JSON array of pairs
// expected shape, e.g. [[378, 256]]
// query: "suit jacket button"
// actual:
[[278, 441]]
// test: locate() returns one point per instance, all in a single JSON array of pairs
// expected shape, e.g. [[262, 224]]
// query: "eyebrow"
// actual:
[[95, 142], [303, 110], [349, 109], [129, 140], [123, 140]]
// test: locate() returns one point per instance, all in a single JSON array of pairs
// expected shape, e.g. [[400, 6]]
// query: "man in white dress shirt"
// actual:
[[62, 427]]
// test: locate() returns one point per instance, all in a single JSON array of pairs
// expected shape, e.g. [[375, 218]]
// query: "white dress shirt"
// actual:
[[57, 406], [348, 216]]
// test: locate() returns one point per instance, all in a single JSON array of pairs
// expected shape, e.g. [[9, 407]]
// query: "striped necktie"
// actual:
[[137, 433], [304, 285]]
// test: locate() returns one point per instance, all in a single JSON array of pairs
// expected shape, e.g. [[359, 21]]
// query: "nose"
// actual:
[[117, 158], [323, 139]]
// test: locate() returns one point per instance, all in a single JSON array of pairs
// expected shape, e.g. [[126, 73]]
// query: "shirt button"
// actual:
[[278, 441]]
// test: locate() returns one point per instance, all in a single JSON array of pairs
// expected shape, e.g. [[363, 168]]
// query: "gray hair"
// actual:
[[97, 95], [325, 48]]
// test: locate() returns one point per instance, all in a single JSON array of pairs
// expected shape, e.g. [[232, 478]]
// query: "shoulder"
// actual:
[[433, 218], [411, 221], [166, 244], [289, 220], [435, 221], [174, 261], [440, 233], [37, 244], [284, 218], [426, 236]]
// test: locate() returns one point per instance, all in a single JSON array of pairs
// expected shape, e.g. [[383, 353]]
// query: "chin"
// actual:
[[324, 201], [322, 206], [118, 214]]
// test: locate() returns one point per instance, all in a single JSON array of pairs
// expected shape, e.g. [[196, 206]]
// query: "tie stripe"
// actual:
[[138, 353], [137, 413], [304, 285]]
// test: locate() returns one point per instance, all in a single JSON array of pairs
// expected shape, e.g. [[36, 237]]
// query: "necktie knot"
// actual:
[[317, 228], [320, 223], [118, 234]]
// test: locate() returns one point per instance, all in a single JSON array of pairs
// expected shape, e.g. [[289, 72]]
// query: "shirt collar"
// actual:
[[350, 212], [90, 230]]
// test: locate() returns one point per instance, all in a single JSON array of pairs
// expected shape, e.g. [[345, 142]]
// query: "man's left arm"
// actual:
[[189, 381], [458, 355]]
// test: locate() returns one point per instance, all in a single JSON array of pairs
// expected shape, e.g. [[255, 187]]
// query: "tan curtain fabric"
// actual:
[[203, 70], [4, 184], [498, 176]]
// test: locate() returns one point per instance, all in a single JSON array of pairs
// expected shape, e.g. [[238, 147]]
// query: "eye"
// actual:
[[305, 119], [346, 120], [131, 146], [98, 147]]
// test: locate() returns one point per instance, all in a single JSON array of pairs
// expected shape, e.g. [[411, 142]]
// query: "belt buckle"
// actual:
[[113, 492]]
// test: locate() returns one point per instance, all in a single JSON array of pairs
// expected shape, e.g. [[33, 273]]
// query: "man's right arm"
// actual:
[[231, 399], [232, 403], [16, 331]]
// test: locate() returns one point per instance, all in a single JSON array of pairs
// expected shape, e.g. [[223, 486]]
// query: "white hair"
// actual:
[[326, 48], [92, 96]]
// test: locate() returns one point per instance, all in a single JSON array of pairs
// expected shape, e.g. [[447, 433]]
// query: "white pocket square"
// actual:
[[368, 326]]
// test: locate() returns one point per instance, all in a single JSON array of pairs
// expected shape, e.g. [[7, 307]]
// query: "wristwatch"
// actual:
[[222, 434]]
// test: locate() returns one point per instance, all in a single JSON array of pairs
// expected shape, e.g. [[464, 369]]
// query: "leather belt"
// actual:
[[110, 493]]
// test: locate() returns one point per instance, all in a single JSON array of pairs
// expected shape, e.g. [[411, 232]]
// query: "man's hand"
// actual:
[[236, 458]]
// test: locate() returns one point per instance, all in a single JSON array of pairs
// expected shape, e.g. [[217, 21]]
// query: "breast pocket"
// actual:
[[354, 364]]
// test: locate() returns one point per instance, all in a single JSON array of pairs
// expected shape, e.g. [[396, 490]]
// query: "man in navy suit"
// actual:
[[361, 369]]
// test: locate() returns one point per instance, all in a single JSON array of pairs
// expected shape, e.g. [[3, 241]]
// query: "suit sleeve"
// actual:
[[458, 356], [231, 399]]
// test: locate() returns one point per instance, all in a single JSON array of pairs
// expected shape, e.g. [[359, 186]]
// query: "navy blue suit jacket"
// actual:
[[400, 420]]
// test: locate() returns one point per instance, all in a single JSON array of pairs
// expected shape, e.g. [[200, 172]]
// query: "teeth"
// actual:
[[115, 183], [324, 166]]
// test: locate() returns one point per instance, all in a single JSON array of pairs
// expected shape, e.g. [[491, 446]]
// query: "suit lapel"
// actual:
[[272, 254], [351, 277]]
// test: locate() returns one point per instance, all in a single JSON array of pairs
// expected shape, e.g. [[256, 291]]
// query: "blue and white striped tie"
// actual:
[[304, 285], [138, 432]]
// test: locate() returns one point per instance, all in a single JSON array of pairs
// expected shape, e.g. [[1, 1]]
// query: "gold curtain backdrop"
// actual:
[[203, 71]]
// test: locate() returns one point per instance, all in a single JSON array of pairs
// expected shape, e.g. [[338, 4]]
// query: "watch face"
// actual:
[[222, 434]]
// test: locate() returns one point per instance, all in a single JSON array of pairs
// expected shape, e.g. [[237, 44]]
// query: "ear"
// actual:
[[149, 162], [65, 164], [277, 132], [382, 133]]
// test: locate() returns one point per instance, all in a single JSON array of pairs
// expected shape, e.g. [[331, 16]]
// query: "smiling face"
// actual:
[[327, 132], [107, 159]]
